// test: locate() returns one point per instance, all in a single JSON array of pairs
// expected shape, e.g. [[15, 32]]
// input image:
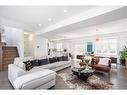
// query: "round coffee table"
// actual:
[[84, 74]]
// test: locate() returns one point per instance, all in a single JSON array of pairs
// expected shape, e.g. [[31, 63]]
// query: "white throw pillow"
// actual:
[[21, 65], [104, 61], [28, 58], [17, 60]]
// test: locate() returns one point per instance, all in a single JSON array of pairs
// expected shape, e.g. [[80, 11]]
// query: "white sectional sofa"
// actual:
[[42, 79], [45, 75]]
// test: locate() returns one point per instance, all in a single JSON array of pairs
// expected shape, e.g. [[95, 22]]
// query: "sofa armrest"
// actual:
[[14, 72]]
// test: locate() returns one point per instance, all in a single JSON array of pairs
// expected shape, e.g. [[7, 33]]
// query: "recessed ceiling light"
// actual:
[[49, 19], [97, 29], [39, 24], [65, 11], [26, 33]]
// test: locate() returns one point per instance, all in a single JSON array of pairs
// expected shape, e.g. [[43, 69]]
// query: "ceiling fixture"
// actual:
[[97, 30], [65, 11], [97, 38], [39, 24], [49, 19], [26, 33]]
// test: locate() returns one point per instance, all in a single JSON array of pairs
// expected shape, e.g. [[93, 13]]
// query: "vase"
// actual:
[[82, 65], [87, 67]]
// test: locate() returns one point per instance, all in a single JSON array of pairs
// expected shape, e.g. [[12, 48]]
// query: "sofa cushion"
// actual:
[[28, 65], [101, 68], [65, 58], [104, 61], [52, 60], [61, 63], [34, 62], [34, 69], [34, 79], [53, 65], [59, 58], [43, 61], [57, 64], [48, 66]]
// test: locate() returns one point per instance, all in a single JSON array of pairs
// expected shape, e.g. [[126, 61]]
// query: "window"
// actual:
[[59, 46], [106, 47], [79, 49], [51, 45]]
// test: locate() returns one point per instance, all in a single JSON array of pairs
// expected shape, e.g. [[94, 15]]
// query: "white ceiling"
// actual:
[[28, 17], [76, 22], [116, 18]]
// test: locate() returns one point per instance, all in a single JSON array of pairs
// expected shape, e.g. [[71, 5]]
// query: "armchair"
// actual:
[[101, 64]]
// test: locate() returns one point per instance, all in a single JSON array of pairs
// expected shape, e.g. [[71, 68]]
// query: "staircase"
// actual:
[[9, 53]]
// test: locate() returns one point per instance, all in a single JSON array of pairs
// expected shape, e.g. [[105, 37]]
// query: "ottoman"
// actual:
[[43, 79]]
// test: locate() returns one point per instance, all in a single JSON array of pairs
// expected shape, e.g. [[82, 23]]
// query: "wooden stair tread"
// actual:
[[9, 53], [9, 50]]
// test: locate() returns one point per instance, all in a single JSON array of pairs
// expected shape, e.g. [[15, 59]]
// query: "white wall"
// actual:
[[122, 42], [15, 37], [40, 47], [116, 29], [71, 43]]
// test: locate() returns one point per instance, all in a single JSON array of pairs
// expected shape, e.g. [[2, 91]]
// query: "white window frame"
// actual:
[[59, 46], [105, 46]]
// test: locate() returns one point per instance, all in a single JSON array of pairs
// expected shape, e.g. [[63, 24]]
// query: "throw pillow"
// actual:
[[21, 65], [28, 65], [52, 60], [34, 62], [28, 58], [92, 61], [65, 58], [43, 61], [17, 60], [59, 58], [104, 61], [96, 60]]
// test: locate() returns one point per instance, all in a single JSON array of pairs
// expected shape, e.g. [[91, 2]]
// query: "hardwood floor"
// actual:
[[118, 77], [4, 82]]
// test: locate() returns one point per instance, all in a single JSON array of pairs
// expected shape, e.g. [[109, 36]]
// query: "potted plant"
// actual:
[[123, 55], [88, 61]]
